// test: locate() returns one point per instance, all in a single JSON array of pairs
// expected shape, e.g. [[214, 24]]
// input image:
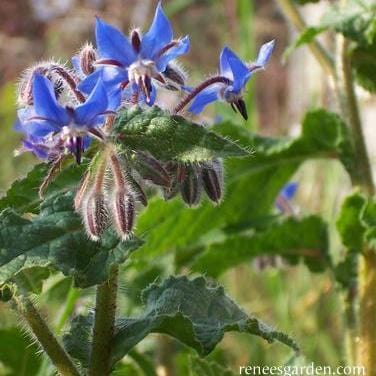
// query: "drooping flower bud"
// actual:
[[25, 85], [151, 169], [123, 212], [139, 193], [174, 73], [87, 57], [191, 187], [212, 180], [95, 215]]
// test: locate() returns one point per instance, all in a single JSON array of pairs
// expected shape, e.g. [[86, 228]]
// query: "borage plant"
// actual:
[[109, 141]]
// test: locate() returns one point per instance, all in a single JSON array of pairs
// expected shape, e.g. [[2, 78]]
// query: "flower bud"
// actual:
[[87, 57], [151, 169], [139, 193], [123, 212], [95, 215], [174, 73], [191, 187], [212, 180]]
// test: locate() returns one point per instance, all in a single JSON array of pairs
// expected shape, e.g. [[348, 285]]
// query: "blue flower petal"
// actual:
[[75, 60], [159, 34], [224, 66], [112, 44], [181, 48], [45, 103], [234, 69], [265, 53], [209, 95], [39, 128], [111, 77], [95, 105], [289, 190]]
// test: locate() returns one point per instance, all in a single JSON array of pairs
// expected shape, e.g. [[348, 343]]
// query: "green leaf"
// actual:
[[306, 238], [17, 353], [56, 238], [31, 280], [23, 194], [349, 223], [193, 312], [364, 64], [171, 137], [170, 226]]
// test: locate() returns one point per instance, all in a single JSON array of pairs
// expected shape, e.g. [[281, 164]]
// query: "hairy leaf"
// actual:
[[171, 137], [23, 194], [191, 311], [56, 238], [292, 239], [349, 223]]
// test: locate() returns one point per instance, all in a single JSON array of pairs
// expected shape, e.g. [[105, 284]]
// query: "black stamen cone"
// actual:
[[78, 151], [240, 105]]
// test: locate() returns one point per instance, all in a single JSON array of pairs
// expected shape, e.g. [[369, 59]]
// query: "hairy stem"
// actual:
[[363, 173], [46, 338], [293, 15], [199, 88], [104, 324], [367, 332]]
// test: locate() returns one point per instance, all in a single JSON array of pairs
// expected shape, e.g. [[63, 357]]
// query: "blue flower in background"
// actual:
[[49, 126], [133, 65], [234, 75], [285, 196]]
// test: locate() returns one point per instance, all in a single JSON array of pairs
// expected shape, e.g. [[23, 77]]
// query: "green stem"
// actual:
[[46, 338], [70, 302], [367, 312], [104, 324], [362, 175], [293, 15]]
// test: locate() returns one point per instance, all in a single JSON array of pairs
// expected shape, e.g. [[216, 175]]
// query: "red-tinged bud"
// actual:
[[139, 193], [95, 215], [191, 187], [25, 86], [212, 180], [181, 173], [82, 190], [151, 169], [136, 40], [123, 213], [175, 74], [87, 57]]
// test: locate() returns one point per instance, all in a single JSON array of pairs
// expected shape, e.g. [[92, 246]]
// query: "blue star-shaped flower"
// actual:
[[135, 63], [50, 126], [234, 74]]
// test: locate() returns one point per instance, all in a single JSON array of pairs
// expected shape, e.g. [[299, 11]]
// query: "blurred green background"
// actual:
[[304, 305]]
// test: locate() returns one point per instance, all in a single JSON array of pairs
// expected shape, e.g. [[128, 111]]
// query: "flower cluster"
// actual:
[[62, 109]]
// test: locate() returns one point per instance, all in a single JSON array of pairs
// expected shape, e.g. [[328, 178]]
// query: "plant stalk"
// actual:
[[104, 325], [46, 338], [293, 15], [367, 312]]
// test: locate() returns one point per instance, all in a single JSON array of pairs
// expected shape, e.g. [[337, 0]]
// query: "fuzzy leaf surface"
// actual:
[[56, 238], [171, 137]]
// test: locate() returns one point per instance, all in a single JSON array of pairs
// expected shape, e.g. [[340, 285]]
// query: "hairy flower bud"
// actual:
[[87, 57], [191, 187], [123, 212], [174, 73], [140, 195], [95, 215], [212, 180], [151, 169], [25, 85]]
